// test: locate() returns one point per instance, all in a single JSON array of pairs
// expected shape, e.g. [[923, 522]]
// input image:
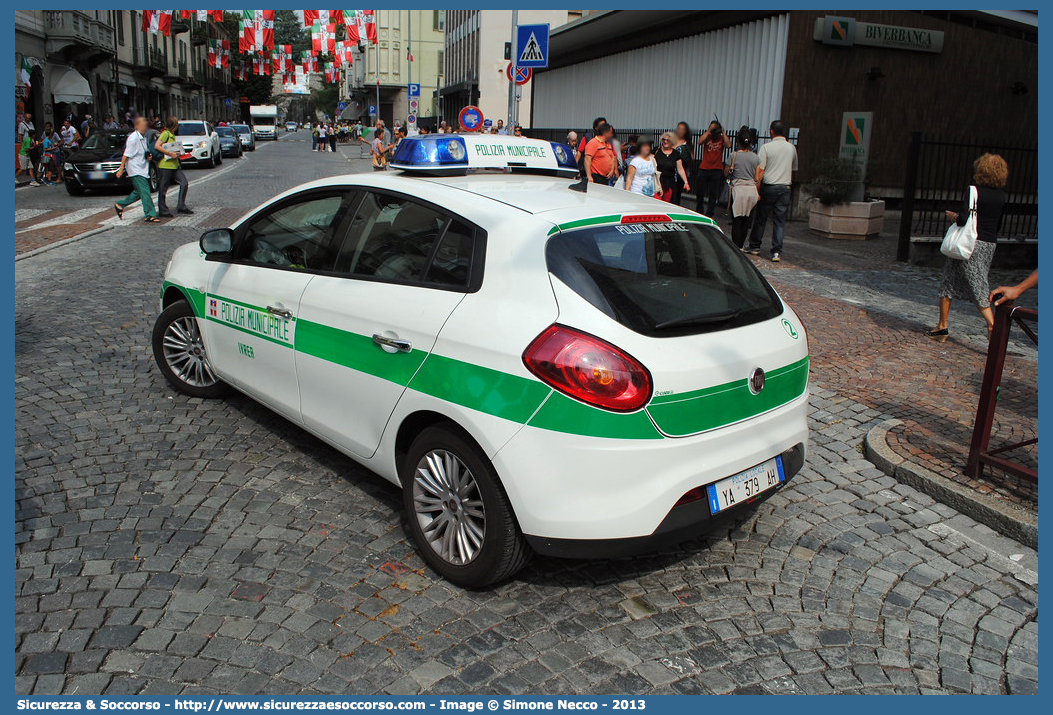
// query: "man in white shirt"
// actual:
[[778, 161], [69, 135], [136, 163]]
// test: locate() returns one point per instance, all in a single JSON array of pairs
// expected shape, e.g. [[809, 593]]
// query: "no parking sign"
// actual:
[[470, 118]]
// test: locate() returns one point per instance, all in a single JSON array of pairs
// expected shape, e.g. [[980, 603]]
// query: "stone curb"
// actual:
[[63, 242], [1004, 518]]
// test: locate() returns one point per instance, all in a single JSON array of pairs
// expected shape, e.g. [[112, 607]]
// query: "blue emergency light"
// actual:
[[564, 156], [430, 152]]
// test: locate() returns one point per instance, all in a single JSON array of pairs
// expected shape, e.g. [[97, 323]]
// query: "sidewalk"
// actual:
[[865, 313]]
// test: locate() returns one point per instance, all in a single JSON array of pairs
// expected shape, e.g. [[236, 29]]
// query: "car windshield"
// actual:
[[191, 129], [225, 131], [241, 129], [105, 140], [663, 279]]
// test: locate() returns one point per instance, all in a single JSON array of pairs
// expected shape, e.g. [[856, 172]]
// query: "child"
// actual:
[[25, 164]]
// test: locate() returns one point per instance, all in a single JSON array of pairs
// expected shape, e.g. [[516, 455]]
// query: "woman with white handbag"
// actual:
[[970, 243]]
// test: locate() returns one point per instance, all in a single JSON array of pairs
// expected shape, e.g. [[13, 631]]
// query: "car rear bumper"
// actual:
[[622, 492], [683, 522]]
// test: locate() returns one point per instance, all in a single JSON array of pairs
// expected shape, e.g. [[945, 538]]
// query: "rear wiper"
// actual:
[[705, 319]]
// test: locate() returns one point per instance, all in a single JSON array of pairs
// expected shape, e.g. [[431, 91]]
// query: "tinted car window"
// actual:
[[663, 279], [295, 235], [241, 129], [391, 238], [451, 262], [191, 129]]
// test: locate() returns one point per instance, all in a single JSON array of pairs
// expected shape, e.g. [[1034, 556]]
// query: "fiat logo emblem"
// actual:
[[756, 381]]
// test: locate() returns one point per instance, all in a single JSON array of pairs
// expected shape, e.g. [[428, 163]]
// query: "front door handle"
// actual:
[[280, 312], [403, 346]]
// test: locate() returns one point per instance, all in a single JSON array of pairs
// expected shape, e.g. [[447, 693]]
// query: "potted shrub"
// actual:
[[832, 213]]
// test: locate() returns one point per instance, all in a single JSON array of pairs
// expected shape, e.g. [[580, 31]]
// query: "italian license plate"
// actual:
[[97, 175], [745, 485]]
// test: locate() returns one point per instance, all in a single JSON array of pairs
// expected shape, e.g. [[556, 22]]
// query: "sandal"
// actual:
[[939, 336], [119, 210], [152, 219]]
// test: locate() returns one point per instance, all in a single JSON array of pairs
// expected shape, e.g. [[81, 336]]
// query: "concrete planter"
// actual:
[[856, 220]]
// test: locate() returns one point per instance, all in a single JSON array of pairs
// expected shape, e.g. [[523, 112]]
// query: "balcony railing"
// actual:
[[151, 61], [71, 28]]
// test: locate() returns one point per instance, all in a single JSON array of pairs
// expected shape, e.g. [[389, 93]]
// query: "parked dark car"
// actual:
[[94, 164], [229, 142], [248, 139]]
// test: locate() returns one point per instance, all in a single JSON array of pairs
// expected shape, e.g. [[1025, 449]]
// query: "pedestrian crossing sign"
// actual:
[[531, 48]]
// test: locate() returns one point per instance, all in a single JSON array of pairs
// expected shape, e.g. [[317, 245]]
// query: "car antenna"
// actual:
[[582, 186]]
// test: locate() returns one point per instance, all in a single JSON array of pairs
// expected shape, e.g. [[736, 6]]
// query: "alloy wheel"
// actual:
[[184, 352], [449, 507]]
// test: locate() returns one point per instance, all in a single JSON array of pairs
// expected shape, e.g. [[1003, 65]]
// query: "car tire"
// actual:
[[501, 551], [211, 160], [154, 179], [219, 157], [180, 353], [74, 189]]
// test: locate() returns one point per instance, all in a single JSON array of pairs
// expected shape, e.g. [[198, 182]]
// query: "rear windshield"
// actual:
[[225, 131], [191, 129], [663, 279]]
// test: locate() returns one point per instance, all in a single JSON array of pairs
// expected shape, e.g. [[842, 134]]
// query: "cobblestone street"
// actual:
[[174, 545]]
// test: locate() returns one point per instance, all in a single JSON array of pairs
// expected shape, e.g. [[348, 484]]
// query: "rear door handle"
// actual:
[[280, 312], [403, 346]]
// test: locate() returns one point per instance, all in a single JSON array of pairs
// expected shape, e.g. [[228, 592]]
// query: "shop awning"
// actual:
[[71, 86]]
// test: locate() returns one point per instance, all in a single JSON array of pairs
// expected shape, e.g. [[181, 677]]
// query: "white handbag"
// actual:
[[959, 241]]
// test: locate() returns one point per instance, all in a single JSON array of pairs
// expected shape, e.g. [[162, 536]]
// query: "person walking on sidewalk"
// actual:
[[968, 280], [170, 170], [332, 138], [745, 168], [710, 178], [778, 161], [24, 163], [314, 136], [136, 161]]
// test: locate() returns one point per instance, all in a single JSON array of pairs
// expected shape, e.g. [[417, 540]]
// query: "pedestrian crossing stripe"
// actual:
[[532, 51]]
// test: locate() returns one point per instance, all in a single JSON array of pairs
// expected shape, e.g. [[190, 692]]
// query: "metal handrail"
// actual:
[[980, 453]]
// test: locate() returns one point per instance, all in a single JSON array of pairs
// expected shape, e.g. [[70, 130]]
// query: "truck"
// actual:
[[264, 121]]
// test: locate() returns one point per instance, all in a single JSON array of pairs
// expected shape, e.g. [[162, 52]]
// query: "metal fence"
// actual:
[[653, 135], [938, 174]]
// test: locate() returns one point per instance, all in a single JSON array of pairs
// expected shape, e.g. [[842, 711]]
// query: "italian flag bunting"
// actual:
[[205, 15], [323, 38], [257, 30], [157, 21], [326, 17], [361, 26]]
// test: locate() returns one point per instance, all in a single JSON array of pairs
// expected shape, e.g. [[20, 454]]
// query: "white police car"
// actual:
[[541, 368]]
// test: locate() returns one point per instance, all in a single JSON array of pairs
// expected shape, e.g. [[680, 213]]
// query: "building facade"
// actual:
[[101, 62], [475, 63], [960, 75], [409, 49]]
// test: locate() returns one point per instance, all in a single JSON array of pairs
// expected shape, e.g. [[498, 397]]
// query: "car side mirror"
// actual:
[[217, 241]]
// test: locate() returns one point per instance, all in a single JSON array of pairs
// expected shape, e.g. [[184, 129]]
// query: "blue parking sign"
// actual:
[[414, 90], [531, 48], [372, 109]]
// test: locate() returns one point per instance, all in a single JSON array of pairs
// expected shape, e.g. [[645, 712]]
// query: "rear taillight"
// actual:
[[588, 369]]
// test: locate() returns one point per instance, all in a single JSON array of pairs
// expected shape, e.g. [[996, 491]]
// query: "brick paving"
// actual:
[[875, 354], [173, 545]]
